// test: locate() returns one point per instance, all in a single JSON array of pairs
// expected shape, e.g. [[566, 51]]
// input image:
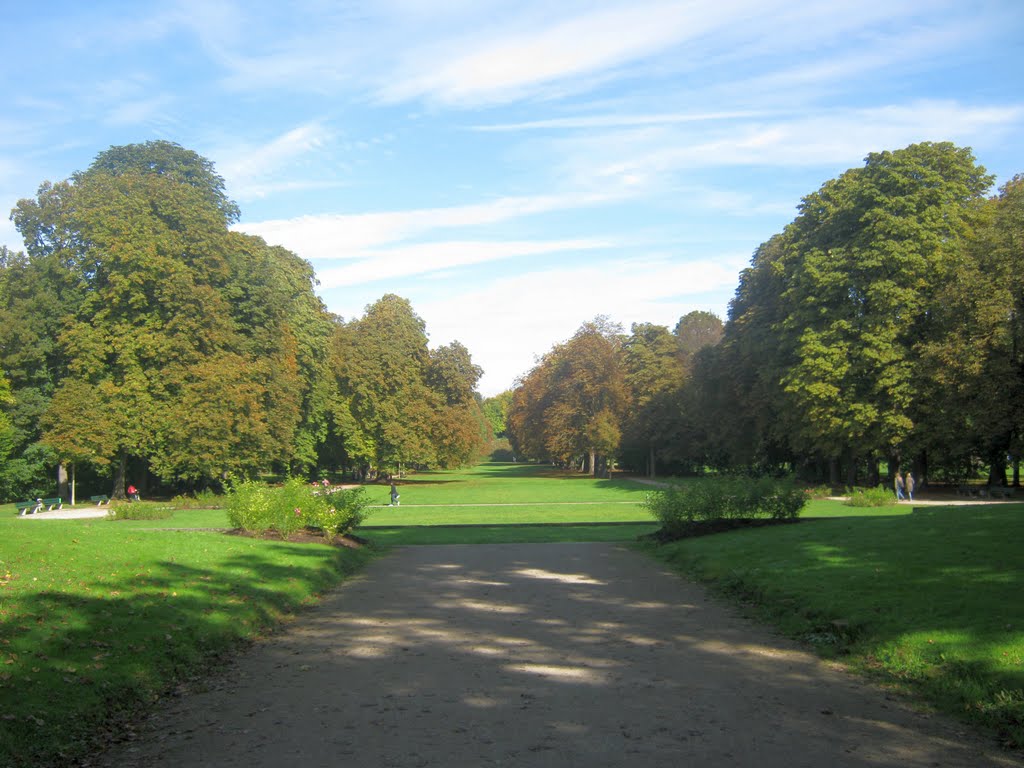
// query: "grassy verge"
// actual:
[[504, 533], [928, 602], [98, 618]]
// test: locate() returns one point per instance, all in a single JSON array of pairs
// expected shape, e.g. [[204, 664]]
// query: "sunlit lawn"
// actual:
[[98, 617]]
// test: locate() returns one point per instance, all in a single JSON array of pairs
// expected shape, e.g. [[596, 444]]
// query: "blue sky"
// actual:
[[514, 169]]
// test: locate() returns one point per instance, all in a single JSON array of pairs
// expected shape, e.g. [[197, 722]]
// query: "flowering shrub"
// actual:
[[337, 512]]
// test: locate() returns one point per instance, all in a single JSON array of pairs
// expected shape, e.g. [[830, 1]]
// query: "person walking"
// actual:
[[899, 486], [394, 495], [909, 483]]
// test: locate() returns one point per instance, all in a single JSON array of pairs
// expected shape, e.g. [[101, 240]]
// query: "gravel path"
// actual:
[[536, 655]]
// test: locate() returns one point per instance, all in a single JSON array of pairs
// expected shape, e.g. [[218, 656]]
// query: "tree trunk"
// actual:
[[997, 468], [650, 463], [833, 472], [851, 470], [62, 481], [119, 471], [873, 474], [593, 463]]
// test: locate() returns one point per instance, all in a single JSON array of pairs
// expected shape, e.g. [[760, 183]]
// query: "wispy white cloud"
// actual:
[[347, 236], [827, 138], [514, 64], [253, 171], [587, 122], [422, 258], [139, 111]]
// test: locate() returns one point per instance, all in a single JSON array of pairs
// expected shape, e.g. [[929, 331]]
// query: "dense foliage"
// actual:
[[142, 336], [259, 508], [884, 324], [725, 498]]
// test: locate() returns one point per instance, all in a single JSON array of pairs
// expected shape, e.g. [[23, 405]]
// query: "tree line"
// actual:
[[144, 337], [885, 323]]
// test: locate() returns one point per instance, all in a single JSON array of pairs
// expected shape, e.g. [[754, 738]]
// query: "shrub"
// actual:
[[819, 491], [725, 498], [337, 512], [248, 505], [139, 510], [254, 506], [204, 499], [870, 497]]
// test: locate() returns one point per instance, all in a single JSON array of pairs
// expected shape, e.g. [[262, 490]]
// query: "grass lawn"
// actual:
[[98, 618], [929, 601], [506, 502]]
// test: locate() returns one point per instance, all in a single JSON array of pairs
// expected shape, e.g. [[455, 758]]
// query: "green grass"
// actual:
[[505, 534], [98, 618], [497, 483], [512, 495], [928, 602]]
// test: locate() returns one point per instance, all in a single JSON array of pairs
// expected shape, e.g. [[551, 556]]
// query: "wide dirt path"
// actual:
[[536, 655]]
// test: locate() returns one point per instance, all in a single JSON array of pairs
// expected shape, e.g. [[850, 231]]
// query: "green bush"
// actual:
[[139, 510], [248, 505], [255, 506], [337, 512], [204, 499], [819, 491], [725, 498], [870, 497]]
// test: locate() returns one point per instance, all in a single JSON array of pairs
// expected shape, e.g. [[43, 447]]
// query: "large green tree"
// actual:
[[195, 348], [865, 259], [397, 403]]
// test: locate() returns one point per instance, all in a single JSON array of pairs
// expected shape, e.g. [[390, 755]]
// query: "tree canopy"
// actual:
[[142, 335]]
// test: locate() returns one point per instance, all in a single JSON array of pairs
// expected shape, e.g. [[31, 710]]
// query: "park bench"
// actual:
[[29, 507], [99, 501], [970, 490], [54, 503]]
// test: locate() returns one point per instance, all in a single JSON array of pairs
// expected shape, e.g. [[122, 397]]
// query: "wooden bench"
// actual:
[[99, 501], [55, 503], [29, 507]]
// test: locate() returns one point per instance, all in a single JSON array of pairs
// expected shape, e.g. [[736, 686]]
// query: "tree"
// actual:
[[137, 254], [384, 409], [496, 411], [172, 161], [864, 261], [571, 405], [655, 371], [696, 330], [971, 371]]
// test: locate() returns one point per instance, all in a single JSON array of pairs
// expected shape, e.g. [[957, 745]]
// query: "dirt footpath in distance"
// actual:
[[537, 655]]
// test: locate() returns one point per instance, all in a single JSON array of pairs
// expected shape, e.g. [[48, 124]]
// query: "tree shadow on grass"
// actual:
[[79, 664]]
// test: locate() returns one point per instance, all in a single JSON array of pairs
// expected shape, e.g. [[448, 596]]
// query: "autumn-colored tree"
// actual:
[[572, 404]]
